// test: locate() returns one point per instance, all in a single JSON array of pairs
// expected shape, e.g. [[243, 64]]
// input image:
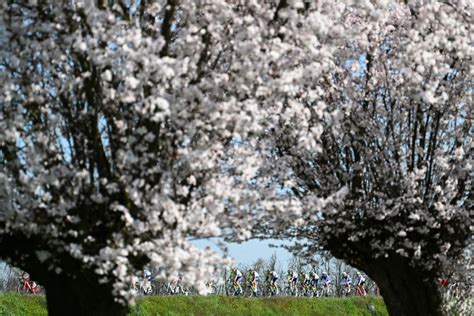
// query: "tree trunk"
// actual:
[[66, 296], [81, 294], [406, 291]]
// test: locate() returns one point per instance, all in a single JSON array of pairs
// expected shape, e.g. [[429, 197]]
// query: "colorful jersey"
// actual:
[[304, 277], [325, 279], [236, 275], [256, 276], [359, 280], [314, 277], [346, 280], [272, 275], [293, 276]]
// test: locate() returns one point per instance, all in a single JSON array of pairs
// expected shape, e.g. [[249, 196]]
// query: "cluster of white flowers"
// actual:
[[378, 154]]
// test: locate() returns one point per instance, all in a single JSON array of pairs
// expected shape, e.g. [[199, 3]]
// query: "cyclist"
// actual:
[[272, 278], [304, 281], [325, 281], [292, 277], [254, 278], [314, 277], [24, 277], [174, 286], [146, 283], [304, 278], [236, 278], [444, 281], [292, 280], [248, 278], [346, 283], [359, 284], [26, 284]]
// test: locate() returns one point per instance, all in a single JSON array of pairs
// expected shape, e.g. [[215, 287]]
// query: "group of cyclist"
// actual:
[[359, 283], [313, 281], [252, 281], [297, 284], [304, 281], [145, 285]]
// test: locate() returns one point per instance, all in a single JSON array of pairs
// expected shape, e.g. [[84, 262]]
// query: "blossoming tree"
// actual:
[[380, 159], [118, 122]]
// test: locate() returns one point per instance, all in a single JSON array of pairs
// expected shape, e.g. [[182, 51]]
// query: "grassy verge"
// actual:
[[222, 305], [12, 304]]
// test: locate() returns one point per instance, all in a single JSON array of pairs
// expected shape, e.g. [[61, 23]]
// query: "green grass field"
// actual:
[[12, 304]]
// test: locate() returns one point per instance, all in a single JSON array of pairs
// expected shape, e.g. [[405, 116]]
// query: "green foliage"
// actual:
[[13, 304]]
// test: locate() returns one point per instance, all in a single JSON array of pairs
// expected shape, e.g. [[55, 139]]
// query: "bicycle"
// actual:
[[359, 290], [249, 288], [211, 288], [185, 291], [27, 286], [254, 289], [315, 290], [174, 288], [291, 289], [143, 288], [235, 289], [304, 289], [345, 290], [272, 289], [146, 287], [327, 290]]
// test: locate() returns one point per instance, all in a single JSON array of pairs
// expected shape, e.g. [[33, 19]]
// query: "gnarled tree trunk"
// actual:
[[407, 291], [80, 296]]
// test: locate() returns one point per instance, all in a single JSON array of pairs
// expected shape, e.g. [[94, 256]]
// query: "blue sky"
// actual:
[[249, 251]]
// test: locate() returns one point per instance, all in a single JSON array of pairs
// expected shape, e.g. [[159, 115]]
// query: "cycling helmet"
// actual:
[[325, 274], [344, 274]]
